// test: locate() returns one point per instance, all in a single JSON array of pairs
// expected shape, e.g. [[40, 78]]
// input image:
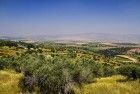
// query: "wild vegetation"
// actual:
[[68, 68]]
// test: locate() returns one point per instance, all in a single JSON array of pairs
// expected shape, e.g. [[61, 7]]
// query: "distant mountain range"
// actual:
[[11, 38], [98, 37]]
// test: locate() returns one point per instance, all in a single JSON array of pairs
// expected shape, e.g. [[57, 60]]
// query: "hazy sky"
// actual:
[[62, 17]]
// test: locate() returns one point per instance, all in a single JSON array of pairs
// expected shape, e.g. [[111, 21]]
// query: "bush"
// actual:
[[3, 63], [57, 75], [138, 72], [130, 71], [108, 71], [6, 62]]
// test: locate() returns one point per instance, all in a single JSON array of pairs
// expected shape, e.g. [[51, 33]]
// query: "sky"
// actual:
[[70, 19]]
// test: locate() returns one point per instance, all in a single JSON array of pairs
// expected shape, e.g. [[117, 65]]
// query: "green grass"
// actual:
[[9, 82], [110, 85]]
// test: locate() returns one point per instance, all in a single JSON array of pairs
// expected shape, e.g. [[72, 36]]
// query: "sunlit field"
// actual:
[[111, 85], [9, 82]]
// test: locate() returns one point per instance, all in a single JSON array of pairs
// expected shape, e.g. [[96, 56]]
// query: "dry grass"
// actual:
[[9, 82], [128, 57], [110, 85]]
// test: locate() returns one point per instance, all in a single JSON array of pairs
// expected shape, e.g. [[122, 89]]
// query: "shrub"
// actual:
[[108, 70], [57, 75], [3, 63], [138, 72], [131, 71], [6, 62]]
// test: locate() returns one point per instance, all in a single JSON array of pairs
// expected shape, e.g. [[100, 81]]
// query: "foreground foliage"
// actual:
[[111, 85], [57, 75]]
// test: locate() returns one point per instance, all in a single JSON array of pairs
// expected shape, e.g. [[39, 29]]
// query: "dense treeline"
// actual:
[[16, 44], [8, 43], [115, 51]]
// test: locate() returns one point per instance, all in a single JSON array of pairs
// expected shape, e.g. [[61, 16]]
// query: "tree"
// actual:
[[130, 71], [57, 75], [108, 70]]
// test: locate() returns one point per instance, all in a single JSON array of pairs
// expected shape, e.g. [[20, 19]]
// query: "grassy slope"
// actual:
[[9, 82], [128, 57], [111, 85]]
